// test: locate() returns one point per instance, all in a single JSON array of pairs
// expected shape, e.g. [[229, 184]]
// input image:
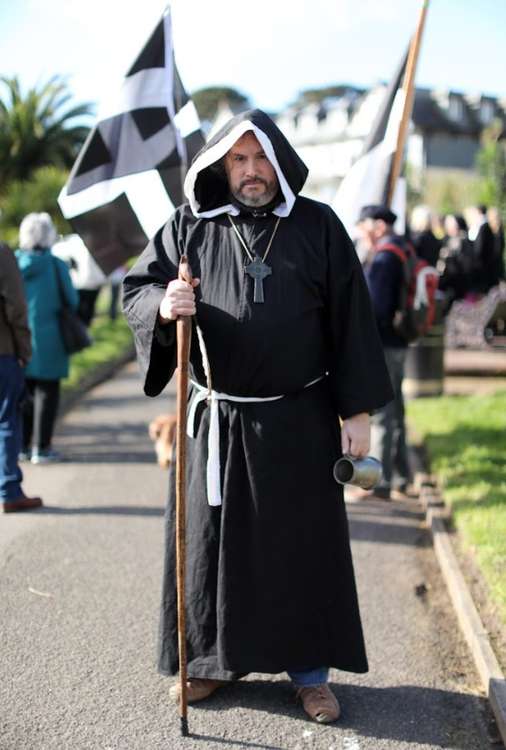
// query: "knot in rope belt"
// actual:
[[213, 469]]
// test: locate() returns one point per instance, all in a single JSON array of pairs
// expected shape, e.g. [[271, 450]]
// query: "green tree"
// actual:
[[39, 193], [315, 96], [207, 100], [413, 186], [36, 128], [491, 165]]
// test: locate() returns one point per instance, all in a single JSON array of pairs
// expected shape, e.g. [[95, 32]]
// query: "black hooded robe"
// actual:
[[270, 583]]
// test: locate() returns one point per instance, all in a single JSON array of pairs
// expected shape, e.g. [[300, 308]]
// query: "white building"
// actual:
[[443, 140]]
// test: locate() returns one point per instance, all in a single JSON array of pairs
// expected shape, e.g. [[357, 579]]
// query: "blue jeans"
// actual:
[[12, 383], [388, 434], [309, 677]]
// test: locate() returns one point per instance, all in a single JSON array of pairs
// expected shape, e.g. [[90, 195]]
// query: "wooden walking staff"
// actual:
[[184, 331], [409, 92]]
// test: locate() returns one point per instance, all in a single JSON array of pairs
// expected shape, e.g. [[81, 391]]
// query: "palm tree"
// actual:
[[35, 129]]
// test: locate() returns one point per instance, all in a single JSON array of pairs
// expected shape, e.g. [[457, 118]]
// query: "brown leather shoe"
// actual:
[[406, 492], [22, 503], [319, 703], [198, 689]]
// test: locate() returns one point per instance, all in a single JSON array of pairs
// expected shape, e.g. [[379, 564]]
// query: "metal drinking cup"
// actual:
[[362, 472]]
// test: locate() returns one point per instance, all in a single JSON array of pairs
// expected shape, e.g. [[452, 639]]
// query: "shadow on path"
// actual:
[[118, 442], [113, 402], [404, 713], [237, 743], [104, 510], [81, 454], [376, 521]]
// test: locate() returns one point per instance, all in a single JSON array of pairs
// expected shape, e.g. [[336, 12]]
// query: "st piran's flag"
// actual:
[[368, 179], [128, 177]]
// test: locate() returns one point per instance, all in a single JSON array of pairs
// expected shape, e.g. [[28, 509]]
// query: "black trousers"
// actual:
[[86, 307], [115, 300], [39, 413]]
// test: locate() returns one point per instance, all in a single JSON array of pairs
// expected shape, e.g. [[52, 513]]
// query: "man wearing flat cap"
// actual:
[[384, 273]]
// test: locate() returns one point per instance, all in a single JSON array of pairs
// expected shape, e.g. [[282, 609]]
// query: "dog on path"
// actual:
[[162, 431]]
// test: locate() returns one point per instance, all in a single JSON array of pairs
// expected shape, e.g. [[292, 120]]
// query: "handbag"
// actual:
[[74, 333]]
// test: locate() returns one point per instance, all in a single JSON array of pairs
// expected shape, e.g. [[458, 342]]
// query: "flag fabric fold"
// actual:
[[367, 181], [128, 177]]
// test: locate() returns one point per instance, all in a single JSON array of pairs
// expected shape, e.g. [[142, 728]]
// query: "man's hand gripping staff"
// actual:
[[179, 296]]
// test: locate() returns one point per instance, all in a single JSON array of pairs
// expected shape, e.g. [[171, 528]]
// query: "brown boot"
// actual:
[[319, 703], [21, 503], [198, 689]]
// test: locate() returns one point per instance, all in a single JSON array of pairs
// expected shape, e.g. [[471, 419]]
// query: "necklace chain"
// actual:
[[243, 243]]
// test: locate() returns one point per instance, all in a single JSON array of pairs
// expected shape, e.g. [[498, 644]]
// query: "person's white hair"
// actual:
[[37, 230], [421, 219]]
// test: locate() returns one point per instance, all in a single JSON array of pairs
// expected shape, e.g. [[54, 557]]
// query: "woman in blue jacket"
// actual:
[[49, 362]]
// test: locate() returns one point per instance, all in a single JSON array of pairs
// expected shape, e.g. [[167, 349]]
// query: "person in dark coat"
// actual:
[[384, 273], [15, 352], [290, 343], [456, 261], [496, 225], [49, 362], [424, 241], [486, 272]]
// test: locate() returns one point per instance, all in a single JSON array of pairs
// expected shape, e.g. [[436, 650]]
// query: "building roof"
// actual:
[[341, 117]]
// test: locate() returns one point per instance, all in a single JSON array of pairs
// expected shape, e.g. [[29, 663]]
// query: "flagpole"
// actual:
[[183, 169], [178, 101], [409, 90]]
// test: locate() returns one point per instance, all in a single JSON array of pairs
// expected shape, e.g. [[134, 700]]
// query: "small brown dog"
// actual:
[[162, 431]]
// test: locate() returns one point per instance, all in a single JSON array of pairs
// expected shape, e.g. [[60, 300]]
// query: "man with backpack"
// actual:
[[386, 276]]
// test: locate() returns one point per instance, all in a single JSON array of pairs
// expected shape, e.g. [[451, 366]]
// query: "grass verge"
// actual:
[[466, 440], [111, 340]]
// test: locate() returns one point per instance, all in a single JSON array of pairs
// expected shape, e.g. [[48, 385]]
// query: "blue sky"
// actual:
[[269, 49]]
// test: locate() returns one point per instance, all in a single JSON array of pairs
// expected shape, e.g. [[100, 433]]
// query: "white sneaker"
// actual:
[[48, 456]]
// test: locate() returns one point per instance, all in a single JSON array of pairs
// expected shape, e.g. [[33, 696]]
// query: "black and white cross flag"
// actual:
[[128, 177], [368, 179]]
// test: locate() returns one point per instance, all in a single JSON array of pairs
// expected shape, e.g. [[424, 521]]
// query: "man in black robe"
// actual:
[[296, 367]]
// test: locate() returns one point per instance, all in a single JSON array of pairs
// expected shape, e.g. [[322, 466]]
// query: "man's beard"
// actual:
[[271, 188]]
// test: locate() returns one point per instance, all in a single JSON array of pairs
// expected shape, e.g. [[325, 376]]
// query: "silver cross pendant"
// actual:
[[258, 270]]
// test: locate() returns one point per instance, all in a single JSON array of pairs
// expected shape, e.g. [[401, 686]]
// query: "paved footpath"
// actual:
[[80, 584]]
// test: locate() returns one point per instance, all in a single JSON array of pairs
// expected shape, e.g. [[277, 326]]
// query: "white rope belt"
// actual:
[[213, 470]]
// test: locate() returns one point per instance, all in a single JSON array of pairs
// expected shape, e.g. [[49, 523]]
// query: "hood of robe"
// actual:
[[206, 187]]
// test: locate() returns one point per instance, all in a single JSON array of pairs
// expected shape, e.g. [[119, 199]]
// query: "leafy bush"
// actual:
[[111, 339], [491, 163], [39, 193]]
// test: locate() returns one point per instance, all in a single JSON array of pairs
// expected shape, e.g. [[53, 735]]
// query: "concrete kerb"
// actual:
[[469, 620]]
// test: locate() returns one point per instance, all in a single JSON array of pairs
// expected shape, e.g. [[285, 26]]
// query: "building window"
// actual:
[[455, 109], [487, 112]]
